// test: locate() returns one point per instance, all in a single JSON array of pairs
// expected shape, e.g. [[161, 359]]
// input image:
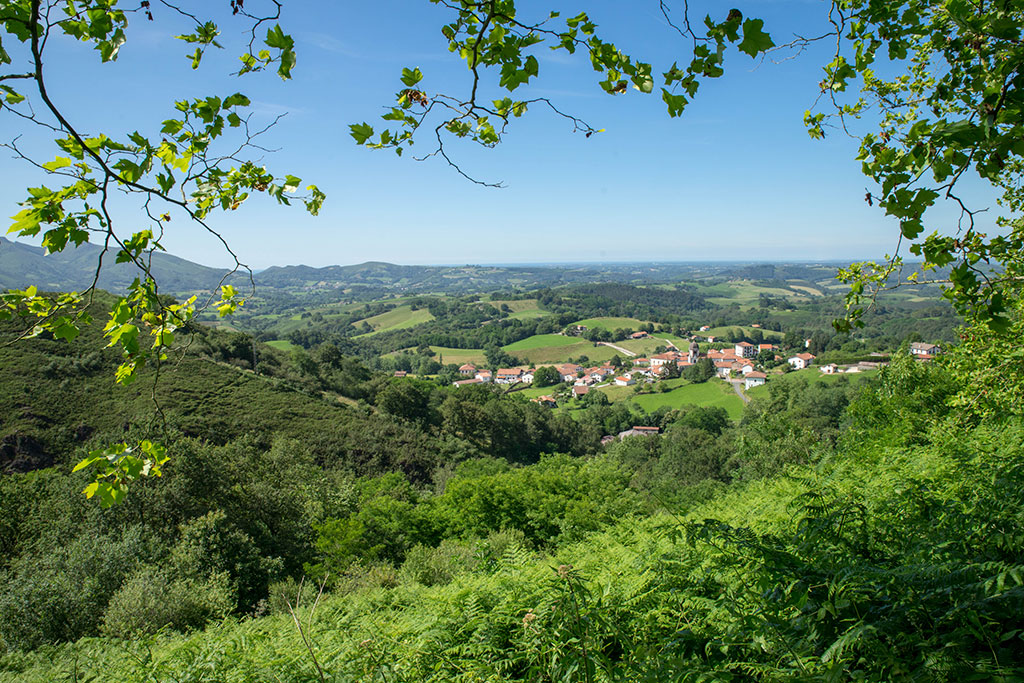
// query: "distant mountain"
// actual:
[[22, 265], [472, 278]]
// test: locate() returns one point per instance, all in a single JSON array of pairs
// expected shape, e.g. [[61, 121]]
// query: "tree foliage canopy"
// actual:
[[936, 83]]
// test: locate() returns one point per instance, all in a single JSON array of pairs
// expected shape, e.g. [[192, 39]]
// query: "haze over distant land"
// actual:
[[22, 265]]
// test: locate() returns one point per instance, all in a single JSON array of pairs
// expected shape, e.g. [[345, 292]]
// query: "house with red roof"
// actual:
[[754, 379], [801, 360]]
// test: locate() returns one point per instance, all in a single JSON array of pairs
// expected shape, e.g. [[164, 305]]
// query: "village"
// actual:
[[743, 363]]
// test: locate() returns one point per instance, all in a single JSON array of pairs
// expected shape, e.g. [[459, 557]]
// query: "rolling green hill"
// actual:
[[22, 265], [398, 318]]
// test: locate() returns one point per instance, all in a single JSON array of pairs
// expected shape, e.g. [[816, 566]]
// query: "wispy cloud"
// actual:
[[331, 44]]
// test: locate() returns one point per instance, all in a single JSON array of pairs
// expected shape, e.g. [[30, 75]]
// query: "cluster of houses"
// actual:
[[569, 372], [737, 361]]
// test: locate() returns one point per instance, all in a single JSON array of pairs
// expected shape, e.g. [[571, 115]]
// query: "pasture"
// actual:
[[714, 392], [282, 345], [547, 355], [539, 341], [448, 355], [396, 319], [611, 323]]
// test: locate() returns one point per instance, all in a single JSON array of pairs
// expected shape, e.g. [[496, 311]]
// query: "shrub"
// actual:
[[437, 566], [152, 599]]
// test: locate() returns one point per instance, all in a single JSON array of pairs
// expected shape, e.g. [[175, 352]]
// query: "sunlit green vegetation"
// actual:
[[398, 318], [713, 393], [611, 323], [458, 356]]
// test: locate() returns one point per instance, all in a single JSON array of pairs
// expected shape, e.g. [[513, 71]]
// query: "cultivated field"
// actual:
[[459, 356], [397, 319], [611, 323], [547, 355], [539, 341], [714, 392], [283, 345]]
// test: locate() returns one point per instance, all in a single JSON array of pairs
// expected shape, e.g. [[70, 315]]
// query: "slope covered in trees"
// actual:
[[893, 556]]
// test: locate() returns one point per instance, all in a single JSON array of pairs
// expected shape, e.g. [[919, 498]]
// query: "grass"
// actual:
[[610, 323], [518, 305], [282, 345], [547, 355], [807, 290], [616, 393], [743, 291], [397, 319], [530, 314], [645, 347], [714, 392], [459, 356], [540, 341]]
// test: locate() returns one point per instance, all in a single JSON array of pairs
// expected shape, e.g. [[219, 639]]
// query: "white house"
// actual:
[[754, 379], [829, 369], [508, 376], [746, 350], [922, 349], [801, 360]]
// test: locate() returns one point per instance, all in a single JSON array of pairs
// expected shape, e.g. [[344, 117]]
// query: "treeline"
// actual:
[[658, 304]]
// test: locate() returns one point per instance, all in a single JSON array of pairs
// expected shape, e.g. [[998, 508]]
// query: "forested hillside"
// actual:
[[888, 550]]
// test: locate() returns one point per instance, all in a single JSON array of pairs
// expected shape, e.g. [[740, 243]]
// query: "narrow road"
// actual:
[[737, 387], [628, 353]]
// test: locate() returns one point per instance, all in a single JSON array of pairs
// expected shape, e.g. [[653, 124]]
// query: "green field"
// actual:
[[516, 305], [645, 347], [807, 290], [711, 393], [616, 393], [458, 356], [743, 292], [611, 323], [547, 355], [283, 345], [539, 341], [397, 319], [529, 314]]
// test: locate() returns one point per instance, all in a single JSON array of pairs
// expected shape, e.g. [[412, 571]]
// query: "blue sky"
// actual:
[[736, 178]]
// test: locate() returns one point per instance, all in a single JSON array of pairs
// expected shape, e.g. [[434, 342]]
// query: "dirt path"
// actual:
[[737, 387], [628, 353]]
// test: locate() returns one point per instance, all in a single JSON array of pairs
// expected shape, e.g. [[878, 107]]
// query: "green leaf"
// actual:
[[754, 39], [284, 70], [361, 132], [411, 76], [59, 162], [277, 38]]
